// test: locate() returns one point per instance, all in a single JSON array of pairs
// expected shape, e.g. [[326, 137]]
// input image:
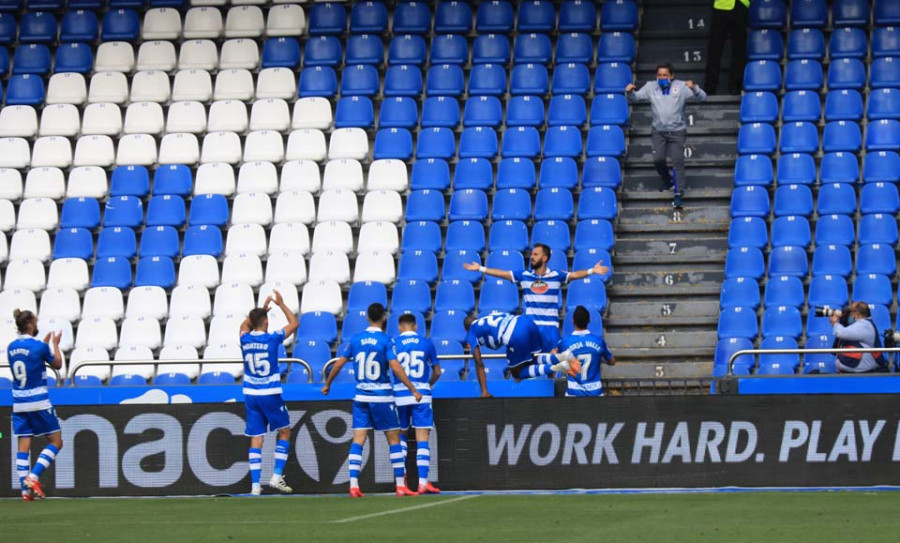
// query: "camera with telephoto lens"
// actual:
[[843, 314], [891, 338]]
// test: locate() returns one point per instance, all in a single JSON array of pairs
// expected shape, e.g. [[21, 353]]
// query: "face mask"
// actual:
[[664, 82]]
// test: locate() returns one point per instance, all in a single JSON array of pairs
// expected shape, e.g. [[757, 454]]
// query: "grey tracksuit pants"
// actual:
[[668, 147]]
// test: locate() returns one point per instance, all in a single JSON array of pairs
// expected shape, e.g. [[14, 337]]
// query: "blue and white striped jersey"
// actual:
[[492, 331], [27, 357], [371, 351], [591, 350], [417, 356], [261, 373], [542, 295]]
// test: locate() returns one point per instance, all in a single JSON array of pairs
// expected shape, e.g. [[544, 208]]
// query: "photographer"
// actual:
[[861, 333]]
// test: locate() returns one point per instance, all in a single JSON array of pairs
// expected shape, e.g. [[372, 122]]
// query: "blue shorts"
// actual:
[[524, 342], [417, 415], [549, 337], [265, 414], [35, 423], [381, 416]]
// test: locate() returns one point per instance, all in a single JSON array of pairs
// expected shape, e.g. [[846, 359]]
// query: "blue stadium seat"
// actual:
[[778, 364], [612, 77], [809, 13], [74, 57], [8, 29], [465, 234], [768, 14], [873, 289], [762, 75], [850, 13], [473, 173], [360, 80], [445, 80], [525, 111], [848, 43], [739, 292], [833, 260], [393, 324], [784, 290], [315, 353], [173, 179], [80, 213], [574, 48], [885, 42], [750, 201], [124, 380], [532, 49], [411, 295], [33, 58], [521, 141], [25, 90], [804, 75], [73, 243], [509, 235], [511, 204], [433, 173], [602, 171], [609, 109], [788, 261], [79, 26], [365, 293], [571, 78], [412, 18], [748, 232], [478, 142], [876, 259], [368, 18], [586, 258], [118, 242], [806, 43], [881, 135], [846, 73], [886, 13], [760, 107], [841, 136], [453, 266], [765, 44], [818, 363], [554, 203], [494, 16], [490, 49], [318, 51], [403, 81], [393, 143], [327, 18], [839, 168], [737, 322], [594, 233], [744, 262], [436, 143], [121, 25], [449, 49], [837, 199], [605, 140], [589, 292], [837, 229], [418, 265], [878, 228], [453, 18], [482, 111], [37, 27], [166, 210], [562, 172], [531, 79], [317, 326], [11, 5], [448, 325], [793, 200], [791, 230], [408, 49], [782, 320], [209, 209], [158, 241], [616, 47], [801, 105], [756, 138], [454, 295], [318, 81], [820, 326], [577, 16], [425, 205], [130, 181], [726, 347], [468, 205], [597, 203], [441, 111], [155, 271], [844, 105], [881, 166], [133, 4], [799, 137], [487, 80], [123, 211], [883, 104], [797, 168], [112, 272], [536, 16], [619, 15], [753, 170]]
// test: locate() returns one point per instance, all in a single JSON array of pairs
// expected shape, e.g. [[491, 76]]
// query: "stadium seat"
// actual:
[[327, 18], [448, 325], [437, 142], [511, 204], [553, 233], [833, 260], [784, 290], [525, 111], [490, 49], [850, 43], [534, 48], [806, 43], [74, 57], [393, 143], [749, 201], [842, 136], [574, 47], [878, 228], [487, 80], [432, 173], [522, 142], [799, 137], [837, 229], [449, 49], [494, 16], [368, 17], [726, 347], [886, 13], [611, 77], [411, 18], [876, 259], [117, 241], [529, 79], [801, 105], [453, 18], [498, 295], [839, 167], [209, 209], [510, 260], [468, 205], [760, 107], [316, 81], [796, 168], [473, 173], [398, 112], [883, 104], [809, 13], [616, 47], [819, 363], [365, 293], [122, 25], [846, 73], [536, 16], [765, 44], [156, 271], [748, 232], [411, 296], [443, 111], [753, 170], [156, 241], [478, 142], [828, 290], [454, 295], [421, 236], [479, 111], [317, 326], [850, 13], [846, 105], [883, 135], [885, 42], [578, 15], [359, 80], [739, 292], [25, 90], [778, 364], [517, 173], [619, 15], [836, 198], [574, 78], [744, 262], [407, 49], [873, 289], [418, 265], [791, 230], [762, 75], [425, 205], [756, 138], [556, 203], [403, 81], [782, 320], [883, 166]]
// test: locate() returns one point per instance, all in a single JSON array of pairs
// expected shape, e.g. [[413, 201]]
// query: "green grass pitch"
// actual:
[[768, 517]]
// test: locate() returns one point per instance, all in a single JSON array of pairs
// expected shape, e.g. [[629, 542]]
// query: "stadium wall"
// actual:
[[503, 444]]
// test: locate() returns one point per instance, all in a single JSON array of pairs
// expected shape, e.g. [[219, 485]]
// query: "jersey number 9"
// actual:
[[412, 363], [367, 367], [258, 363], [20, 372]]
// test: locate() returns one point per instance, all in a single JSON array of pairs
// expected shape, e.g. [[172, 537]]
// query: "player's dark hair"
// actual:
[[544, 247], [23, 319], [468, 321], [375, 313], [408, 319], [667, 66], [257, 316], [581, 317]]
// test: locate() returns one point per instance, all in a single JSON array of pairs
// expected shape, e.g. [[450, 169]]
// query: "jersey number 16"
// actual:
[[367, 367]]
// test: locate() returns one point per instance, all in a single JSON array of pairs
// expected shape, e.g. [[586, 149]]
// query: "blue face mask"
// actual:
[[664, 82]]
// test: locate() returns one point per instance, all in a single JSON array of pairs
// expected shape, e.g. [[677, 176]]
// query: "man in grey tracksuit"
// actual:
[[667, 97]]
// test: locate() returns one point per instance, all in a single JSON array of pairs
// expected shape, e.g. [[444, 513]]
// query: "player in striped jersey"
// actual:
[[263, 404], [33, 414], [419, 360], [591, 350], [542, 290], [373, 353], [522, 340]]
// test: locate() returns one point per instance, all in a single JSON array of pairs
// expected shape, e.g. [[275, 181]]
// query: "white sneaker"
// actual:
[[256, 490], [277, 482], [565, 359]]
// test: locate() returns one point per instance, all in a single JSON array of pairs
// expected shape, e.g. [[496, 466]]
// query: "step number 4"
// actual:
[[661, 341]]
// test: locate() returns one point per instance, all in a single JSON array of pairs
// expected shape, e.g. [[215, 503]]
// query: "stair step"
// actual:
[[702, 119], [683, 21], [658, 369], [674, 249], [643, 181], [665, 280], [720, 148], [689, 342], [685, 54], [663, 313], [660, 218]]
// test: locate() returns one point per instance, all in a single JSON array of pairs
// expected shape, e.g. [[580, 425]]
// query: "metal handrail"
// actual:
[[465, 357], [186, 362], [754, 352], [55, 371]]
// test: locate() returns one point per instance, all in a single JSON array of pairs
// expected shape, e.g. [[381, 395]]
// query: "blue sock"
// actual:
[[23, 466], [397, 463], [404, 446], [355, 461], [48, 455], [255, 458], [423, 461], [281, 455]]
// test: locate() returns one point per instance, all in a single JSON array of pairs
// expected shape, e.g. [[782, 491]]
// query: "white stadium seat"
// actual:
[[378, 236], [257, 177], [147, 301], [4, 249], [51, 151], [68, 273], [14, 153], [108, 87], [239, 54], [346, 173], [286, 20], [97, 332], [382, 205], [375, 266], [141, 331], [89, 354], [18, 121], [187, 116], [193, 85], [67, 88], [11, 187], [150, 86], [161, 24], [331, 265], [157, 55], [348, 143], [179, 149], [126, 353], [8, 215], [300, 175], [203, 22], [38, 213], [47, 324], [94, 151], [245, 238], [214, 178], [338, 205], [30, 243], [252, 208], [388, 174], [332, 236], [306, 144], [312, 112], [26, 274], [114, 56], [103, 302], [143, 118], [180, 353], [276, 83], [61, 303], [286, 268], [45, 183], [198, 55], [228, 116], [136, 149], [17, 298], [289, 238], [60, 120], [242, 268], [288, 293], [323, 296], [233, 298], [221, 147], [191, 301], [202, 270], [104, 119], [185, 330], [244, 22], [225, 329], [295, 206], [264, 145], [226, 349], [269, 114], [86, 182]]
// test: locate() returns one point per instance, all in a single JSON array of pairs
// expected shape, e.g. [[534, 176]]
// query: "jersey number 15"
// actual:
[[258, 363]]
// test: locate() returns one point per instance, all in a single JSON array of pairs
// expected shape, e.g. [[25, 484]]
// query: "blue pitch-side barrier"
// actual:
[[819, 384]]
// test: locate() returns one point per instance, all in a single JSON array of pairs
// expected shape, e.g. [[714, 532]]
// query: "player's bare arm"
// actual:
[[401, 375], [57, 355], [293, 324], [598, 269], [479, 372], [335, 370], [493, 272], [436, 373]]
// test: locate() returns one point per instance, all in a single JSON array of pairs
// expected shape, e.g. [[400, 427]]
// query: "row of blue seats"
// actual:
[[834, 259], [830, 231], [803, 137], [780, 291], [814, 13], [834, 167], [845, 73], [804, 105], [793, 261], [16, 6], [774, 364], [832, 199], [809, 43]]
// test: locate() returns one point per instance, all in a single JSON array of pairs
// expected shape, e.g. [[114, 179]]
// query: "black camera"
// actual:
[[829, 312], [891, 338]]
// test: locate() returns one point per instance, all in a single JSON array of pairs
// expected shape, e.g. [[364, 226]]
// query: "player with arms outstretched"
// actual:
[[263, 403], [419, 359], [33, 414], [522, 340], [373, 407], [591, 350]]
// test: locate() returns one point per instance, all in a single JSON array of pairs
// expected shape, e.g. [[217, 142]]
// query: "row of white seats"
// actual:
[[239, 22], [183, 148]]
